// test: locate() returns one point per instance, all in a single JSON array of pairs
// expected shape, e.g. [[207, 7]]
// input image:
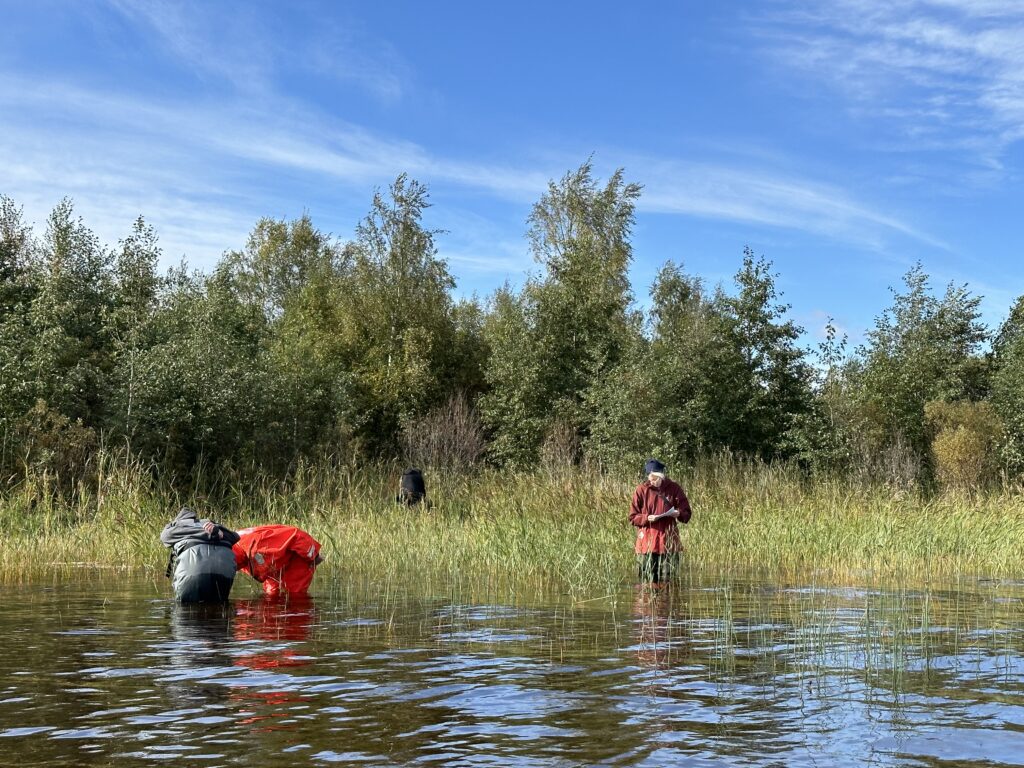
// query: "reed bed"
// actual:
[[502, 531]]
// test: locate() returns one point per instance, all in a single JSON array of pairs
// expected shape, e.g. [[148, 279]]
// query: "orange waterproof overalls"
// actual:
[[281, 557]]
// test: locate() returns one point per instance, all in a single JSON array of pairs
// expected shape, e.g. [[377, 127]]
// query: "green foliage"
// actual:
[[68, 348], [290, 273], [825, 436], [466, 359], [679, 393], [777, 385], [130, 323], [54, 446], [718, 373], [394, 319], [298, 346], [570, 326], [514, 407], [17, 249], [633, 419], [922, 348], [698, 359], [579, 232], [279, 260], [200, 388], [1008, 387]]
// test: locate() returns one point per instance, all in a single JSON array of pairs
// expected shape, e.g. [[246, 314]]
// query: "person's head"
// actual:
[[655, 472]]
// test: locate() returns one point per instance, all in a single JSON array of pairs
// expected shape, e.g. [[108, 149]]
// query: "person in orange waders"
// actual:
[[281, 557]]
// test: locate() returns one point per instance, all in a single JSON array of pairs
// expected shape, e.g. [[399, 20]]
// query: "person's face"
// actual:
[[655, 479]]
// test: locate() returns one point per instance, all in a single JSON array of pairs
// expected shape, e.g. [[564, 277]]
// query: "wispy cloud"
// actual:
[[236, 45], [762, 197], [337, 52], [942, 74], [204, 170], [195, 218], [480, 248], [213, 43]]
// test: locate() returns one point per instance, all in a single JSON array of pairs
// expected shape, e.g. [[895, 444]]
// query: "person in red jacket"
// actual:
[[658, 506], [281, 557]]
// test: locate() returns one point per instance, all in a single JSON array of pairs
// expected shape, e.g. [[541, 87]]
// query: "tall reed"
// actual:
[[560, 529]]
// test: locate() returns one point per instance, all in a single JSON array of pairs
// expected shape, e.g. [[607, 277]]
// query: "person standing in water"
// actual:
[[659, 505], [201, 560]]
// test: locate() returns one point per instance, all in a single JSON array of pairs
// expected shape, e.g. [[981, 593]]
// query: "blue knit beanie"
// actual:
[[653, 465]]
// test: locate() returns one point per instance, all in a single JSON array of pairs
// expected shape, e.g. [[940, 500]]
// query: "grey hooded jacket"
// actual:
[[205, 567]]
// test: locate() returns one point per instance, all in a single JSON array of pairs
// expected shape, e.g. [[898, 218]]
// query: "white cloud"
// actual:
[[747, 195], [235, 45], [230, 46], [501, 259], [202, 172], [948, 72]]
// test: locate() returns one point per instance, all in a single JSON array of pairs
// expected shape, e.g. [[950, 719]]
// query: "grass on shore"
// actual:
[[559, 530]]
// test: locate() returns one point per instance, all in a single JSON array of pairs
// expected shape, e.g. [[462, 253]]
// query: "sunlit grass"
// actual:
[[501, 531]]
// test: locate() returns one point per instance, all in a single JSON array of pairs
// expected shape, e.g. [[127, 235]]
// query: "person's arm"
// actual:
[[167, 535], [219, 533], [637, 513], [683, 505]]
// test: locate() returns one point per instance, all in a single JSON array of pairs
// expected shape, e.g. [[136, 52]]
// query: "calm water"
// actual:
[[710, 672]]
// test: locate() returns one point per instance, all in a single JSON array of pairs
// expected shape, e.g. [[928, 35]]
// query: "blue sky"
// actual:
[[842, 140]]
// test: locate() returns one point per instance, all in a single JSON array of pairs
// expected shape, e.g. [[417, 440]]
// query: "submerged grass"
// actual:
[[502, 531]]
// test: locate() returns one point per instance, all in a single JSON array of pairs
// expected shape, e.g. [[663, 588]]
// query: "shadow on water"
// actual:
[[714, 671]]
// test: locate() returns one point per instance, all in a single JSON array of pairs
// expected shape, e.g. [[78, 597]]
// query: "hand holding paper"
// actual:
[[671, 513]]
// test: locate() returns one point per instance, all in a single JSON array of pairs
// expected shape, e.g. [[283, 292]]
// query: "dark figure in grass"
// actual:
[[659, 505], [412, 489], [202, 562]]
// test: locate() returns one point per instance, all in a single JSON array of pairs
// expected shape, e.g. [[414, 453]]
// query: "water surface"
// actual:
[[707, 672]]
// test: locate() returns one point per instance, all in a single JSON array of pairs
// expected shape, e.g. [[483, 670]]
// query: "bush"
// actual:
[[50, 443], [965, 438], [450, 436], [561, 448]]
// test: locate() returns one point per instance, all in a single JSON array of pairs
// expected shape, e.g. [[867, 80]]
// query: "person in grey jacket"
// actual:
[[201, 558]]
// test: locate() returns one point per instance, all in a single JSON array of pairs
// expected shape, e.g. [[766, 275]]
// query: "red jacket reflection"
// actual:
[[282, 557], [662, 535]]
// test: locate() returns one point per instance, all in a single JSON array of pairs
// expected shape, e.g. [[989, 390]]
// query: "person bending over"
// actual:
[[201, 560], [281, 557]]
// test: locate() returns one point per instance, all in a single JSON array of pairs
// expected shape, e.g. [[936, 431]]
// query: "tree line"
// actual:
[[300, 346]]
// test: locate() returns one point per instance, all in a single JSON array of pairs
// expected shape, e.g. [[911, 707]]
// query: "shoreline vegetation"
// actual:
[[562, 529], [285, 384]]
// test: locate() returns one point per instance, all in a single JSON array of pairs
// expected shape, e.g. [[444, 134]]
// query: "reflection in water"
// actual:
[[656, 642], [725, 672], [201, 635], [201, 627], [268, 631], [274, 619]]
